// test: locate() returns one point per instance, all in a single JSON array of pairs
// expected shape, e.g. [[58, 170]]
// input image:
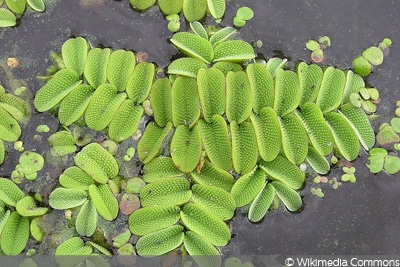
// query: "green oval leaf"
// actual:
[[193, 45], [139, 83], [310, 78], [194, 9], [170, 7], [63, 198], [288, 196], [10, 130], [222, 35], [120, 67], [10, 192], [215, 138], [161, 99], [151, 219], [331, 92], [60, 85], [318, 162], [185, 101], [150, 144], [168, 191], [374, 55], [104, 201], [282, 170], [37, 5], [160, 168], [216, 200], [74, 53], [75, 178], [244, 146], [74, 105], [102, 106], [27, 207], [160, 242], [16, 6], [211, 175], [200, 250], [18, 108], [205, 224], [73, 246], [97, 162], [15, 234], [233, 51], [125, 121], [261, 203], [86, 221], [142, 4], [61, 143], [261, 85], [287, 92], [247, 187], [198, 29], [95, 70], [186, 66], [268, 133], [353, 84], [7, 18], [238, 97], [216, 8]]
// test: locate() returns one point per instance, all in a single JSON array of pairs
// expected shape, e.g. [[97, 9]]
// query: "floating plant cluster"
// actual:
[[15, 9], [13, 111]]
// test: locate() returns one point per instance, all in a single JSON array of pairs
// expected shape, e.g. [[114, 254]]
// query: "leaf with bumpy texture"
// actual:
[[194, 9], [75, 178], [268, 133], [198, 29], [161, 99], [186, 66], [160, 168], [294, 139], [244, 147], [360, 123], [282, 170], [346, 139], [10, 192], [95, 70], [216, 8], [125, 121], [4, 215], [288, 196], [318, 131], [169, 191], [287, 92], [102, 106], [233, 51], [205, 224], [150, 219], [262, 86], [331, 90], [73, 246], [216, 141], [120, 67], [211, 86], [142, 4], [65, 198], [74, 105], [160, 242], [310, 78], [60, 85], [226, 66], [219, 202], [238, 97], [222, 35], [97, 162], [247, 187], [318, 162], [104, 201], [150, 144], [86, 221], [197, 247], [15, 234], [7, 18], [10, 130], [170, 7], [211, 175], [353, 84], [185, 101], [37, 5], [16, 6], [2, 152], [18, 108], [186, 148], [261, 203], [74, 54], [61, 143], [193, 45], [139, 83], [27, 207]]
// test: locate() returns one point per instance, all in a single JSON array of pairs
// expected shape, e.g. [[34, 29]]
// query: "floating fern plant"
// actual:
[[220, 112]]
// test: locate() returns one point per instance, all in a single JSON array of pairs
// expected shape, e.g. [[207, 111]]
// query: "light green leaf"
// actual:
[[104, 201], [186, 66], [10, 130], [95, 70], [194, 9], [161, 99], [125, 121], [86, 221], [140, 82], [10, 192], [288, 196], [7, 18], [238, 97], [211, 175], [74, 53], [63, 198], [233, 51], [159, 169], [75, 178], [247, 187], [37, 5], [15, 234], [61, 143], [120, 67], [261, 203], [193, 45], [27, 207], [216, 8], [16, 6]]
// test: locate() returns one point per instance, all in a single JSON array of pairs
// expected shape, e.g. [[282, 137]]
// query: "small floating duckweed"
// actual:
[[174, 23], [43, 128], [110, 146], [317, 48], [243, 14], [349, 175], [130, 153], [334, 182], [320, 179], [29, 164], [134, 185], [147, 107], [317, 192], [387, 135], [19, 146], [129, 203]]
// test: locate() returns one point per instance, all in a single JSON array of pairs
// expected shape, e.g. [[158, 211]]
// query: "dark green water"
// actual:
[[360, 218]]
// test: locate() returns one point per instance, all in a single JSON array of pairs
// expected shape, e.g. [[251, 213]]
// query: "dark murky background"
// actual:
[[360, 218]]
